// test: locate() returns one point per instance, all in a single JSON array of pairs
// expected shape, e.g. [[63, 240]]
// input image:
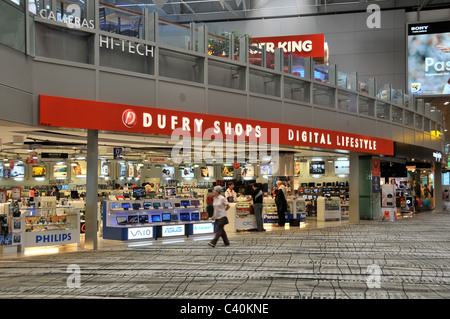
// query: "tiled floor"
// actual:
[[408, 258]]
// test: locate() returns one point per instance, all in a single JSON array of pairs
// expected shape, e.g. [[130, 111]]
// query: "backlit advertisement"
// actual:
[[429, 58]]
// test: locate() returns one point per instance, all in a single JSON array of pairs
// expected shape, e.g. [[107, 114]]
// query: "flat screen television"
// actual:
[[177, 205], [138, 192], [195, 202], [185, 203], [168, 172], [156, 218], [132, 219], [121, 220], [166, 217], [38, 171], [185, 216], [143, 219], [195, 216], [156, 205], [147, 205], [126, 206], [170, 191], [114, 205], [204, 215], [136, 206], [174, 217], [167, 205]]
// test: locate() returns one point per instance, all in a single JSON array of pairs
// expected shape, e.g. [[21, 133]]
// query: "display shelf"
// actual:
[[45, 224]]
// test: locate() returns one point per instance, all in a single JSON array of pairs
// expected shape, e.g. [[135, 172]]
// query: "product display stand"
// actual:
[[154, 218], [45, 224]]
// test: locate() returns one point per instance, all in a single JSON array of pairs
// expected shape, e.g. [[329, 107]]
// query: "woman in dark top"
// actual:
[[257, 196]]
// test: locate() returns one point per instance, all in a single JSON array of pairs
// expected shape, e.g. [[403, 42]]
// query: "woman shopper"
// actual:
[[221, 206], [281, 202]]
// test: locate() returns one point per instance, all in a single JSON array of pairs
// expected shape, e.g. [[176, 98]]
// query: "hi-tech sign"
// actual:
[[429, 58]]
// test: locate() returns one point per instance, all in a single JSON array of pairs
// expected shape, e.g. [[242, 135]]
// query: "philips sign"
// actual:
[[140, 233], [205, 228], [53, 239], [168, 231]]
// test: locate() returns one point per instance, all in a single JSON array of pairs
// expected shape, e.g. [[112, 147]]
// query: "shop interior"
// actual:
[[34, 160]]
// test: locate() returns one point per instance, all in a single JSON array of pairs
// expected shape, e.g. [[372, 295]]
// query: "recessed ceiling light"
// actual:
[[446, 103]]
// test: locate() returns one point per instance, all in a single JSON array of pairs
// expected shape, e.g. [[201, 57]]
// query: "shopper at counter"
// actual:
[[281, 202], [230, 194], [117, 191], [221, 206], [55, 192]]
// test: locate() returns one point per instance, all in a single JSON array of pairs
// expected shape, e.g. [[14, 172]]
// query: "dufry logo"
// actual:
[[129, 118]]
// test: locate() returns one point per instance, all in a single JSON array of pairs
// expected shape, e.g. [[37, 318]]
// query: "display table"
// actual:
[[154, 218], [241, 217]]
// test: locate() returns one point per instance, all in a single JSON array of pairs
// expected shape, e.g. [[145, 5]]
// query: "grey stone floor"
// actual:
[[409, 258]]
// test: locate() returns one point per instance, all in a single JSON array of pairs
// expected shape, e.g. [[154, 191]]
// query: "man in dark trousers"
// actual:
[[280, 200]]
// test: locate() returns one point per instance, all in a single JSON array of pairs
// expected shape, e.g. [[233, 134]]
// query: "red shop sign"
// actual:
[[311, 45], [104, 116]]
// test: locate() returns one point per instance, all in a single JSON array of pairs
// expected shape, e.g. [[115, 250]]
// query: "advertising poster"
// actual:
[[266, 169], [168, 172], [429, 58], [207, 171], [38, 171], [18, 171], [248, 171], [60, 171], [296, 168], [80, 168], [188, 172], [227, 171]]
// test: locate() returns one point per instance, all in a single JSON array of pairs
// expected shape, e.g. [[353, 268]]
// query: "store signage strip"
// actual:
[[96, 115]]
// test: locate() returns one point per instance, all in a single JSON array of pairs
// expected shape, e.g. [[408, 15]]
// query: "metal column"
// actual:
[[91, 191]]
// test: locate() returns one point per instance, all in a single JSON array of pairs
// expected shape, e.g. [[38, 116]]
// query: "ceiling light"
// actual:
[[446, 103]]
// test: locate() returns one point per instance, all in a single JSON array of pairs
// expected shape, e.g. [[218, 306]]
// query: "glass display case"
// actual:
[[43, 223]]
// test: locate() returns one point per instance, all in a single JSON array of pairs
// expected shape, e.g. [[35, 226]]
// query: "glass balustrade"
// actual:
[[134, 19]]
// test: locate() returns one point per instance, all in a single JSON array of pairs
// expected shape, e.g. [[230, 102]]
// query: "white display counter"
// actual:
[[328, 208], [240, 217]]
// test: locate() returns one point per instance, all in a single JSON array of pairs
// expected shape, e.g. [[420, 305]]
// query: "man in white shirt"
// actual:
[[230, 193]]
